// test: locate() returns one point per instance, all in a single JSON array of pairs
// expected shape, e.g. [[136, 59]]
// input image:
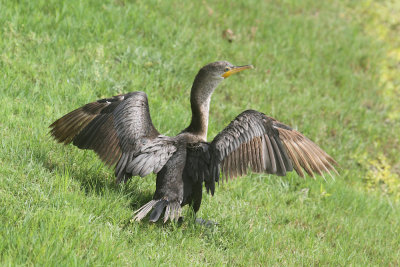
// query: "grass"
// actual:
[[316, 69]]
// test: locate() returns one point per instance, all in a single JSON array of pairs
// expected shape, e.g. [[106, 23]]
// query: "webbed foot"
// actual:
[[206, 223]]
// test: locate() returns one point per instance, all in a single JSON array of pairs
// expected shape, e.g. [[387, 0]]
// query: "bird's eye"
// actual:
[[227, 69]]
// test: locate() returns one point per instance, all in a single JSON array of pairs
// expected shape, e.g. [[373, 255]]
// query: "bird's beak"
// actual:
[[236, 69]]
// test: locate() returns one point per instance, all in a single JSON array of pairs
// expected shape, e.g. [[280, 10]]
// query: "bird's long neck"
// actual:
[[200, 112], [200, 98]]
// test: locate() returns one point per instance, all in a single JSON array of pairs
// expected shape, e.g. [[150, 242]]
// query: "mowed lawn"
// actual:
[[317, 69]]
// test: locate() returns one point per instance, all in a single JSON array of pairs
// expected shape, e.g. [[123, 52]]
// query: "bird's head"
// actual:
[[208, 79], [220, 70]]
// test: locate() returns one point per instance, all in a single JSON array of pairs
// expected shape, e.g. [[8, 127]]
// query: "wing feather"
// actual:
[[263, 144], [119, 129], [281, 170]]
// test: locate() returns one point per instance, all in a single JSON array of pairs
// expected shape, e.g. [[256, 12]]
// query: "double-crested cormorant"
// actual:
[[119, 129]]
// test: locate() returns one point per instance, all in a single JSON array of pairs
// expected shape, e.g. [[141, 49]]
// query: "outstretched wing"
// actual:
[[262, 144], [119, 129]]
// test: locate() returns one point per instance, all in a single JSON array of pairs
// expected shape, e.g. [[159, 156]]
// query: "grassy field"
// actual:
[[317, 69]]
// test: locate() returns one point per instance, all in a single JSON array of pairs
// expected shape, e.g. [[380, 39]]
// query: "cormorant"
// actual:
[[119, 129]]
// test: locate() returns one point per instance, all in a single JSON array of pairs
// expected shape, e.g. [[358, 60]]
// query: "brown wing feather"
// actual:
[[67, 128], [118, 129], [265, 145], [308, 155]]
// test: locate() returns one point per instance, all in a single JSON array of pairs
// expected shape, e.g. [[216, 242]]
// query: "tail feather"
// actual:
[[172, 210], [142, 212], [158, 209]]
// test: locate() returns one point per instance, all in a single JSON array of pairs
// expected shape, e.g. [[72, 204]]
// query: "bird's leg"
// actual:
[[206, 223]]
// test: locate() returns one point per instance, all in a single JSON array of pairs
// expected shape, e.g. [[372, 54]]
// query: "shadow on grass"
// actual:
[[94, 180]]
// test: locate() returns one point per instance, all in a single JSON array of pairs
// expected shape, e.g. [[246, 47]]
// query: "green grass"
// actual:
[[316, 69]]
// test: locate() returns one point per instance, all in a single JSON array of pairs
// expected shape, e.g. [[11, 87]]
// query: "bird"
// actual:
[[120, 130]]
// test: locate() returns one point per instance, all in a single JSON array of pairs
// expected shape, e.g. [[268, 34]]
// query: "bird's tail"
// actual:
[[172, 210]]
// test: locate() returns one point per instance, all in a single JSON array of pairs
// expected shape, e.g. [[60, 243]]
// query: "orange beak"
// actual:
[[236, 69]]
